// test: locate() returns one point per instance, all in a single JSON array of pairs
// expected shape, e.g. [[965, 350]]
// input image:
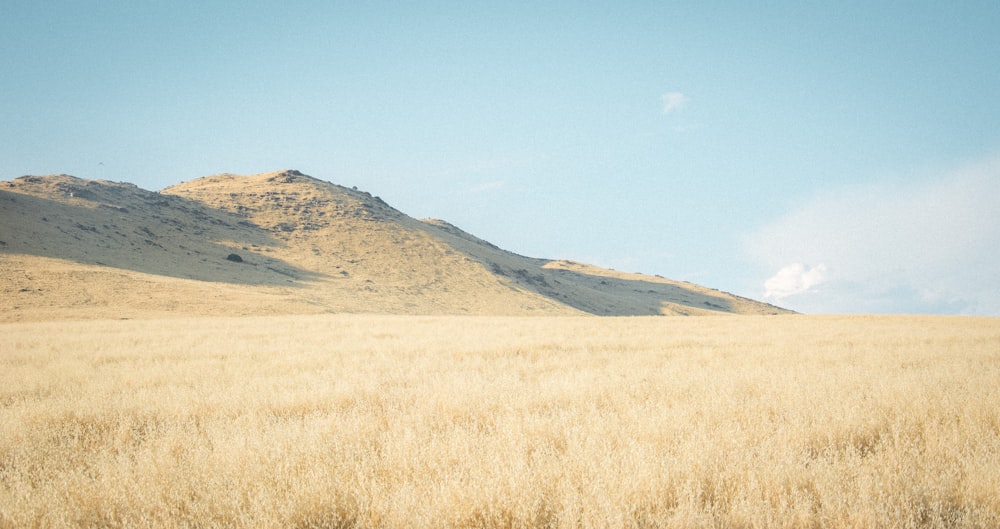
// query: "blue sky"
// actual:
[[825, 156]]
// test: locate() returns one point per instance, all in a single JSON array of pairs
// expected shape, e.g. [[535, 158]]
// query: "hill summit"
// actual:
[[285, 243]]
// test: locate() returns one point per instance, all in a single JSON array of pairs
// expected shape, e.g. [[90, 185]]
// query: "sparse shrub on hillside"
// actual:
[[537, 280]]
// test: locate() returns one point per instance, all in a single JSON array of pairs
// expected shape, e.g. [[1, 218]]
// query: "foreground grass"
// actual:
[[362, 421]]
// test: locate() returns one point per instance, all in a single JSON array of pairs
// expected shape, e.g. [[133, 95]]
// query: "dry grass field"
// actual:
[[559, 422]]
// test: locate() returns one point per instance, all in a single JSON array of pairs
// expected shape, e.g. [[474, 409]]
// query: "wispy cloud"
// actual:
[[673, 101], [922, 246], [484, 187]]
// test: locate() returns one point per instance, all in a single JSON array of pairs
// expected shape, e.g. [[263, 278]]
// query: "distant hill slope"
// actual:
[[285, 243]]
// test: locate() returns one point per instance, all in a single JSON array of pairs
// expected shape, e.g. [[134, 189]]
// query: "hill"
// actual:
[[285, 243]]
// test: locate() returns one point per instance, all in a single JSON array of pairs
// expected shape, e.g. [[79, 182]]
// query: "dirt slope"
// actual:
[[284, 243]]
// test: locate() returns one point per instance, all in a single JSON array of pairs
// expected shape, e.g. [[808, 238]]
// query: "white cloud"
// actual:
[[793, 279], [673, 101], [930, 245]]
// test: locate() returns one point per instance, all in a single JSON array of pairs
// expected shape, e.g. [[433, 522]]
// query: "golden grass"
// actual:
[[436, 422]]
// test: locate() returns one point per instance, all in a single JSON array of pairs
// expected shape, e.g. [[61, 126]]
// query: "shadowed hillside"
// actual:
[[285, 242], [123, 226]]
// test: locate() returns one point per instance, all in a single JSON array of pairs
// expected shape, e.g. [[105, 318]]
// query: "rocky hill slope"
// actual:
[[285, 243]]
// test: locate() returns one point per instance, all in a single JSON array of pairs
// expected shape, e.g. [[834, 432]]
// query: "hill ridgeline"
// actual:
[[285, 243]]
